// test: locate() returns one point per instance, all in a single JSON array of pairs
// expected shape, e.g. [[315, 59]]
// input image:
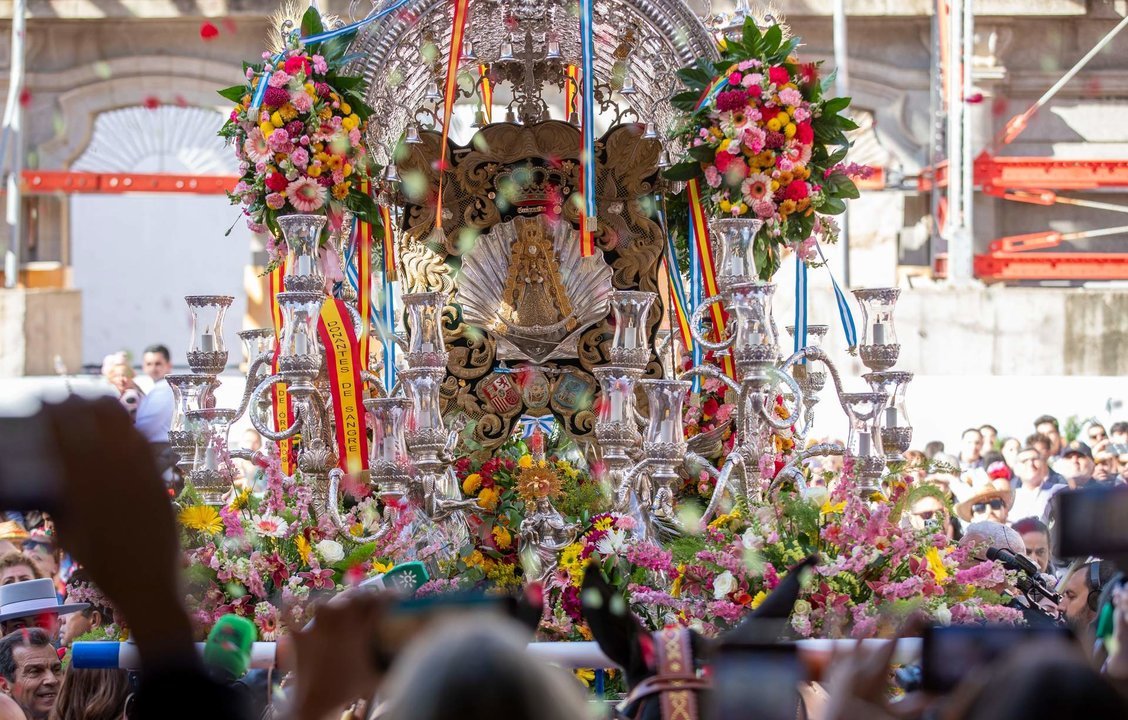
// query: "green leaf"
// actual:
[[833, 206], [311, 22], [751, 35], [835, 105], [837, 156], [359, 554], [345, 82], [684, 171], [845, 123], [841, 186], [234, 93], [703, 153], [686, 101], [694, 77], [827, 83], [773, 36]]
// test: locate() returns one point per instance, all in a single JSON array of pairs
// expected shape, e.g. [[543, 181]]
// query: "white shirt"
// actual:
[[1033, 503], [155, 414]]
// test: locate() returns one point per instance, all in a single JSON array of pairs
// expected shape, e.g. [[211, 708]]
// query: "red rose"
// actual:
[[722, 161], [276, 182], [297, 64], [804, 133], [709, 409], [797, 191], [777, 75]]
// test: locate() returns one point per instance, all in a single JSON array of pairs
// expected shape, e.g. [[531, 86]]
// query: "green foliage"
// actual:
[[686, 547]]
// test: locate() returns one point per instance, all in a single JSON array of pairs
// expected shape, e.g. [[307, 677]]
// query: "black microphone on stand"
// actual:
[[1011, 560]]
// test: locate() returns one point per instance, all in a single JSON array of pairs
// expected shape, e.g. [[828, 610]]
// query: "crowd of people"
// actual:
[[81, 575]]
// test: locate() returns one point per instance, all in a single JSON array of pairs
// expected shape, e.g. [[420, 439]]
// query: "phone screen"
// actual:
[[952, 652], [757, 682], [1093, 521]]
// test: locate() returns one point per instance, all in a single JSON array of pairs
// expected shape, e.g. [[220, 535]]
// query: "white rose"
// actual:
[[816, 495], [943, 615], [723, 584], [751, 539], [330, 551], [802, 607]]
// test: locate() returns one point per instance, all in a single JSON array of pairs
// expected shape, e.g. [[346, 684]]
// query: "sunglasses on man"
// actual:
[[979, 508]]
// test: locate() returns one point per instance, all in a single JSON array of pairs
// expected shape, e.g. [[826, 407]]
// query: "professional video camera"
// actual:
[[1038, 602]]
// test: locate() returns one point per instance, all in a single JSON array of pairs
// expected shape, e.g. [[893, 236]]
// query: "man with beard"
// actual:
[[30, 672], [1080, 593]]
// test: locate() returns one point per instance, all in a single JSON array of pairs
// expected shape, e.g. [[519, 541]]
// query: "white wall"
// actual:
[[135, 257]]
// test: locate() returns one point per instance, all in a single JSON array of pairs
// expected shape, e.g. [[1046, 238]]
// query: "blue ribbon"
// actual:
[[587, 66], [388, 326], [844, 313], [800, 330], [529, 425], [696, 284], [260, 91]]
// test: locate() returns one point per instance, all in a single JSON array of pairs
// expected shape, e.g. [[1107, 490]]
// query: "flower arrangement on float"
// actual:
[[766, 142], [301, 146]]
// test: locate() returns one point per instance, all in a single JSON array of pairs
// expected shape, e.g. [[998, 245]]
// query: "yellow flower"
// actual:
[[382, 567], [314, 171], [936, 564], [474, 559], [201, 518], [604, 523], [676, 588], [287, 112], [346, 109], [340, 191], [829, 509], [773, 124], [347, 169], [310, 89], [502, 538], [471, 484], [723, 146], [525, 462], [585, 675], [488, 498], [276, 119], [350, 122], [786, 207], [266, 129], [789, 130], [304, 550], [241, 500], [726, 206], [760, 597]]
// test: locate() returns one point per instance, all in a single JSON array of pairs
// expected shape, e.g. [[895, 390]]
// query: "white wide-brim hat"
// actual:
[[33, 597]]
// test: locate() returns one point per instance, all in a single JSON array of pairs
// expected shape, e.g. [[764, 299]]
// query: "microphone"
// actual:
[[1013, 561]]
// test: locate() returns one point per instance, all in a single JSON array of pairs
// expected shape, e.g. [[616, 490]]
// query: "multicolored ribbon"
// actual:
[[388, 326], [282, 408], [718, 84], [454, 54], [342, 347], [587, 128], [699, 226], [487, 92], [260, 89], [677, 287], [696, 353], [364, 284], [389, 242], [844, 314]]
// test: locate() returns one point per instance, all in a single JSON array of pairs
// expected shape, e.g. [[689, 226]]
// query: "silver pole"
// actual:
[[967, 203], [13, 116], [959, 251], [842, 89]]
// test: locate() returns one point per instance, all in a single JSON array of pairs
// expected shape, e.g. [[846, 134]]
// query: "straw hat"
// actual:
[[986, 492], [12, 530]]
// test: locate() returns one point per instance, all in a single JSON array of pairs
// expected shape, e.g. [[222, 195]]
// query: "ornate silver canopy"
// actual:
[[640, 44]]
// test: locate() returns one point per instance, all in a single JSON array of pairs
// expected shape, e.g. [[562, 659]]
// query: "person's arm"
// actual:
[[108, 470]]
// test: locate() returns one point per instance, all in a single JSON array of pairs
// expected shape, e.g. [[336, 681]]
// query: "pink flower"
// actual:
[[752, 79], [275, 97], [764, 208], [790, 96], [754, 138], [712, 176], [778, 75], [318, 579], [275, 201], [300, 157], [808, 249], [319, 65], [278, 79], [354, 136], [306, 195], [731, 100], [255, 146], [301, 101], [801, 114], [270, 526], [279, 142]]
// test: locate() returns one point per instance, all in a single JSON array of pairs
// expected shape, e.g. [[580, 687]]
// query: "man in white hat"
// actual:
[[33, 603]]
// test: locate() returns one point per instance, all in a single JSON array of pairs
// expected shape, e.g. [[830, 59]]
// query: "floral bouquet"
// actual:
[[302, 149], [766, 142]]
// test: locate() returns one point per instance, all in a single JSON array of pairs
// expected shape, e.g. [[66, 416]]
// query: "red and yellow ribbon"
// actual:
[[339, 339], [487, 92], [389, 243], [280, 398], [364, 286], [700, 228], [458, 30]]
